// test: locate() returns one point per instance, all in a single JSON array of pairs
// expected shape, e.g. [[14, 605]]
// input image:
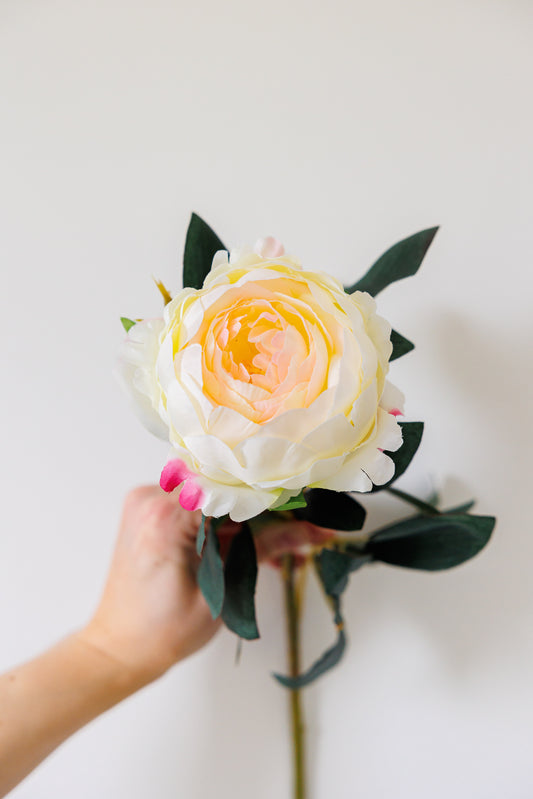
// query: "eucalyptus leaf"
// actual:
[[333, 509], [334, 568], [211, 573], [200, 536], [240, 577], [127, 324], [401, 260], [400, 345], [201, 244], [431, 543], [327, 661], [412, 436]]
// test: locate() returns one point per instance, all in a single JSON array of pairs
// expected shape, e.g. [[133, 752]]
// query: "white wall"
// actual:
[[339, 128]]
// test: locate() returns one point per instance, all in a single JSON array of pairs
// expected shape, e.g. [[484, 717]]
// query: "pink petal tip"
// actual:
[[173, 474], [191, 495]]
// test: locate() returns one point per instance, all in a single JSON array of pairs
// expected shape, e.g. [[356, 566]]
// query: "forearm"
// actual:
[[46, 700]]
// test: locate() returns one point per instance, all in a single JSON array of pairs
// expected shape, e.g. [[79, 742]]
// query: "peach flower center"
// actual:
[[266, 348]]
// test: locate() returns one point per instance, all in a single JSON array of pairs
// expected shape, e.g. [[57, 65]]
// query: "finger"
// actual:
[[278, 538]]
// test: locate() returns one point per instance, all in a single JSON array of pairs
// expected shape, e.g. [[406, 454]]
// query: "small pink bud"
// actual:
[[173, 474], [269, 248]]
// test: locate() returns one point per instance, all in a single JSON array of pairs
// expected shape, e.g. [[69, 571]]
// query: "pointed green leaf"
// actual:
[[332, 509], [401, 260], [400, 345], [211, 573], [295, 502], [127, 324], [329, 659], [412, 436], [334, 568], [431, 542], [240, 577], [200, 536], [201, 244]]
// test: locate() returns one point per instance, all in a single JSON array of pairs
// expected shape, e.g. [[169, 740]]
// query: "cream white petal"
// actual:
[[230, 426], [241, 502], [392, 398], [135, 370]]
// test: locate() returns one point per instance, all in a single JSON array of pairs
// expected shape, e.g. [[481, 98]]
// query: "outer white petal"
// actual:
[[368, 465], [230, 426], [318, 471], [212, 452], [332, 437], [241, 502], [135, 370], [392, 398], [350, 477]]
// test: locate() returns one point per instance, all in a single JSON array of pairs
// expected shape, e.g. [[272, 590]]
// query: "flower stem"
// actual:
[[293, 613], [418, 503]]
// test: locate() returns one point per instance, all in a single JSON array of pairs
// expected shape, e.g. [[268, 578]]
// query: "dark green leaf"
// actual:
[[211, 573], [200, 536], [334, 567], [240, 578], [431, 542], [412, 436], [401, 260], [127, 324], [332, 509], [295, 502], [400, 345], [200, 246], [329, 659]]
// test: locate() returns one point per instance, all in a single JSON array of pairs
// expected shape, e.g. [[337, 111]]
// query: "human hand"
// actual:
[[152, 613]]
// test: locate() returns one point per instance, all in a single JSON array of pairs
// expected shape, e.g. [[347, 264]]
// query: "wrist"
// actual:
[[107, 655], [127, 666]]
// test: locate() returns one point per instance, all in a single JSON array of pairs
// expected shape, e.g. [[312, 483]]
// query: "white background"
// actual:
[[339, 128]]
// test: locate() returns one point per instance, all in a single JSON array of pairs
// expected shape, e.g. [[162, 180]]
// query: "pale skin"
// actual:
[[150, 617]]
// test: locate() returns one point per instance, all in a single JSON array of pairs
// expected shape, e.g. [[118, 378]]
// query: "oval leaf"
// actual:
[[201, 244], [211, 573], [400, 345], [329, 659], [332, 509], [240, 576], [432, 543], [334, 568], [200, 536], [401, 260]]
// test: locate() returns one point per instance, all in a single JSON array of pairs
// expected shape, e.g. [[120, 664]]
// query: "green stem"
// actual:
[[418, 503], [292, 608]]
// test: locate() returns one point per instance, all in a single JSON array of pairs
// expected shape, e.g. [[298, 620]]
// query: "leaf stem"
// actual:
[[418, 503], [293, 614]]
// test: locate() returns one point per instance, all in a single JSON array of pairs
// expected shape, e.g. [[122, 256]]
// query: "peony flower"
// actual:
[[267, 380]]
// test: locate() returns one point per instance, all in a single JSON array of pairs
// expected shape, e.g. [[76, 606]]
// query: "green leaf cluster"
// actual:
[[425, 542]]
